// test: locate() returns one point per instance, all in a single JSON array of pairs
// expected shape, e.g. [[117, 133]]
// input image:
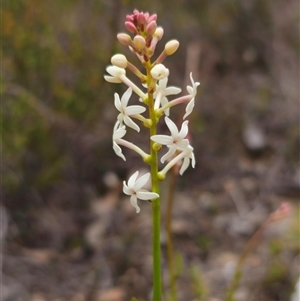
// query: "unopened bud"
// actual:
[[139, 42], [130, 27], [124, 39], [152, 18], [159, 32], [151, 27], [171, 47], [119, 60]]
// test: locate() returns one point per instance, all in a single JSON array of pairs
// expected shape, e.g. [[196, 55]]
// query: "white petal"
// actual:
[[133, 202], [134, 110], [125, 98], [162, 84], [132, 179], [126, 190], [118, 151], [141, 181], [164, 101], [128, 121], [117, 102], [146, 195], [182, 144], [189, 108], [193, 160], [184, 130], [190, 90], [119, 133], [111, 79], [169, 154], [172, 91], [120, 118], [172, 127], [185, 165], [115, 71], [162, 139]]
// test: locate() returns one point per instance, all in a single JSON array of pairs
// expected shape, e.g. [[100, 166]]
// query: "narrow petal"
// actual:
[[118, 151], [169, 154], [115, 71], [125, 98], [117, 102], [146, 195], [119, 133], [164, 101], [141, 181], [189, 108], [185, 165], [126, 190], [172, 91], [184, 130], [128, 121], [133, 202], [134, 110], [172, 127], [162, 139], [132, 179], [193, 160], [111, 79], [162, 84], [182, 144]]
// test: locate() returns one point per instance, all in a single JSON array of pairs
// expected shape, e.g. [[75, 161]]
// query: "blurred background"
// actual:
[[68, 232]]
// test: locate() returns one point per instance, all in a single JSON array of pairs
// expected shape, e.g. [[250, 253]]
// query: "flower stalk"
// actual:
[[146, 35]]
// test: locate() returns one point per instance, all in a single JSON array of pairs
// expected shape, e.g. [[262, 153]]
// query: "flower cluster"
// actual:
[[154, 94]]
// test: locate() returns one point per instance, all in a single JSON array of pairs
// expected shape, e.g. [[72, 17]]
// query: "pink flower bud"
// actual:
[[152, 18], [141, 19], [124, 39], [151, 27], [130, 27]]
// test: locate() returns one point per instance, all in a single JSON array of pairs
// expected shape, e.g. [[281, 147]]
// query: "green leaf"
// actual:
[[134, 299]]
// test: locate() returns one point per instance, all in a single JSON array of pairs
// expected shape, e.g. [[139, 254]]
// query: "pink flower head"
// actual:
[[137, 22]]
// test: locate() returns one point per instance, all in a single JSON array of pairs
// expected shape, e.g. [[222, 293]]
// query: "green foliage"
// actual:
[[204, 242], [199, 286]]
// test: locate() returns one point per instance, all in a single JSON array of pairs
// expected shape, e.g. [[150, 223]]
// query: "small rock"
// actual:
[[254, 138], [112, 294]]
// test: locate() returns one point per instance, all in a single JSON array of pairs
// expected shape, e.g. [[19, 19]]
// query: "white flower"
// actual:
[[126, 111], [186, 160], [192, 90], [134, 189], [176, 141], [116, 74], [159, 71], [162, 91], [186, 155], [118, 133]]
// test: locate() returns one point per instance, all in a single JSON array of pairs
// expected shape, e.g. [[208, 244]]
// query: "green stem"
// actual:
[[170, 249], [156, 251]]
